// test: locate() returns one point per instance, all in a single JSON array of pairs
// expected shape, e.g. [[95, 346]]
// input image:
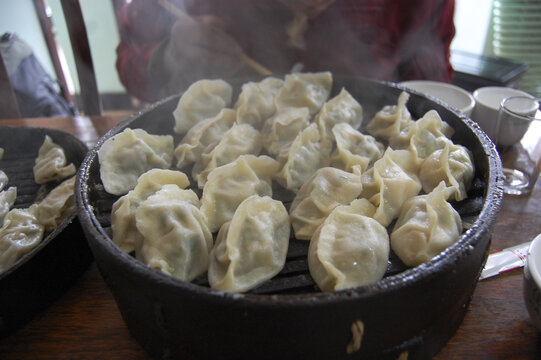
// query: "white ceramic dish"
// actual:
[[485, 113], [453, 95], [532, 282]]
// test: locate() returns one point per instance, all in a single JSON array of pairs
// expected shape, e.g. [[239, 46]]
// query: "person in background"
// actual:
[[161, 53]]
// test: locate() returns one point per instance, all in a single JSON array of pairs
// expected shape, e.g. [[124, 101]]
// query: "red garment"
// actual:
[[391, 40]]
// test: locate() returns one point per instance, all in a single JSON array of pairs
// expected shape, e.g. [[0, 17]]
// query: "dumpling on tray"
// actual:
[[326, 189], [343, 108], [125, 233], [20, 233], [51, 163], [309, 90], [427, 225], [202, 100], [307, 153], [229, 185], [129, 154], [252, 247], [256, 101], [206, 133], [349, 248], [175, 236], [241, 139]]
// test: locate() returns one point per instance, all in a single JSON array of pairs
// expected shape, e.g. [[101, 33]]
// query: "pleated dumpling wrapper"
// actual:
[[349, 249], [252, 247], [129, 154]]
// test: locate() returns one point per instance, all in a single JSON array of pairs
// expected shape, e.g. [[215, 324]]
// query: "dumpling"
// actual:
[[202, 100], [20, 233], [309, 90], [176, 239], [256, 101], [281, 129], [7, 199], [306, 154], [125, 233], [205, 133], [453, 165], [252, 248], [317, 197], [241, 139], [390, 182], [424, 136], [129, 154], [427, 225], [390, 120], [354, 148], [229, 185], [3, 180], [343, 108], [51, 163], [57, 206], [349, 249]]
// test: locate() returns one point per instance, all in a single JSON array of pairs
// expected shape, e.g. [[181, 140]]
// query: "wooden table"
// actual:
[[85, 322]]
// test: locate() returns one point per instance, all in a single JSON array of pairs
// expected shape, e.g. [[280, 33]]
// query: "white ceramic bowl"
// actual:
[[532, 282], [485, 113], [453, 95]]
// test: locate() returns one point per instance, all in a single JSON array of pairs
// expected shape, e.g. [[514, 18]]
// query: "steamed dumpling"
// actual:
[[241, 139], [343, 108], [229, 185], [306, 154], [317, 197], [252, 248], [176, 238], [206, 133], [453, 165], [7, 199], [125, 233], [427, 225], [202, 100], [129, 154], [51, 163], [256, 101], [281, 129], [390, 120], [57, 206], [20, 233], [3, 180], [309, 90], [354, 148], [424, 136], [349, 249], [390, 182]]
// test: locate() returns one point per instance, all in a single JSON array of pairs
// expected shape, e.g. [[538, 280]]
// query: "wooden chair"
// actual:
[[90, 97], [9, 109]]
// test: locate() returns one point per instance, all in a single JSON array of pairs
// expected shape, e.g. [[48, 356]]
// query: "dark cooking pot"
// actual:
[[411, 311], [48, 270]]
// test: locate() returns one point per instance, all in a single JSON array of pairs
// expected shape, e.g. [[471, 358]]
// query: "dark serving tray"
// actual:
[[410, 313], [47, 271]]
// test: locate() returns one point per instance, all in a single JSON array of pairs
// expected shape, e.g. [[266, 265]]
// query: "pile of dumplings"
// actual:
[[22, 229], [285, 157]]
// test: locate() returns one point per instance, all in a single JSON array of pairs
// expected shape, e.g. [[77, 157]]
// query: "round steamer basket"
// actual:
[[411, 312], [42, 275]]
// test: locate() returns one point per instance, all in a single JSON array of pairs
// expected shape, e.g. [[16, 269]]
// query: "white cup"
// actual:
[[532, 281], [485, 113], [453, 95]]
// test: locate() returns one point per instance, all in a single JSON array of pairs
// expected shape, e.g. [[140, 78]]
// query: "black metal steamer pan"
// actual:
[[411, 311], [47, 271]]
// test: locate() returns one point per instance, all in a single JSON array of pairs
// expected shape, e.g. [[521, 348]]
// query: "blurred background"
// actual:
[[496, 43]]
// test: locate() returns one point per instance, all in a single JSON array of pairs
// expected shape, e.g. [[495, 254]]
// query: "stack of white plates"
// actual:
[[517, 36]]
